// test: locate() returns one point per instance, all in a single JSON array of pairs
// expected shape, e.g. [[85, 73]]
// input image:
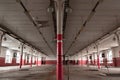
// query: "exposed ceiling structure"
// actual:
[[89, 21], [14, 17], [86, 22]]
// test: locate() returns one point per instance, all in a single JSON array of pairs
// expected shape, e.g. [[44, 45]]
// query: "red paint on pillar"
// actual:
[[98, 61], [59, 58], [59, 37], [81, 62], [23, 61], [37, 62]]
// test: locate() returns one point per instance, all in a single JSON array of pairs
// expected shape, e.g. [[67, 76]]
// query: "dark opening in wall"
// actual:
[[103, 55]]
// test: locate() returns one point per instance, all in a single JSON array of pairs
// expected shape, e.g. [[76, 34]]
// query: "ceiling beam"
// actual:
[[35, 24], [95, 41], [14, 35], [65, 16], [52, 4], [93, 11]]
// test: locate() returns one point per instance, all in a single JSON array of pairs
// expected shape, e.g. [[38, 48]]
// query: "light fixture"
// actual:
[[68, 9], [24, 47], [19, 47], [50, 9], [5, 39]]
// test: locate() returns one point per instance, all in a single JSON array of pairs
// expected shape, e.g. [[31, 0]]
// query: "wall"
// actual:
[[116, 58], [3, 56], [51, 61], [82, 60]]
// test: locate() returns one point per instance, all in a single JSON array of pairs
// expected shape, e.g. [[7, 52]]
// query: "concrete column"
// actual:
[[1, 36], [31, 58], [98, 60], [21, 57], [81, 60], [87, 58], [116, 55], [37, 61], [59, 15], [118, 39]]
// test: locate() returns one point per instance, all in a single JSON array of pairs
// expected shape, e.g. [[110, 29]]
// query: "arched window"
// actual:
[[8, 57], [109, 56], [18, 57]]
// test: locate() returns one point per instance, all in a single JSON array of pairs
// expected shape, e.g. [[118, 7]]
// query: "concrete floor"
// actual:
[[49, 73]]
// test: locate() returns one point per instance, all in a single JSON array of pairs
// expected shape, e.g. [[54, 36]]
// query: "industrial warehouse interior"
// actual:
[[59, 39]]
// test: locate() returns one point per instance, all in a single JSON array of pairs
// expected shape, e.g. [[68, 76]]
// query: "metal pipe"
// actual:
[[59, 14]]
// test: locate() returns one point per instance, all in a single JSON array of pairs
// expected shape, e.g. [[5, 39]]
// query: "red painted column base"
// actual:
[[59, 57], [31, 62], [98, 61]]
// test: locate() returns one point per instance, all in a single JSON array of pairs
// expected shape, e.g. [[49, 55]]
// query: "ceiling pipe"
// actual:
[[66, 6], [14, 35], [52, 4], [84, 24], [35, 24]]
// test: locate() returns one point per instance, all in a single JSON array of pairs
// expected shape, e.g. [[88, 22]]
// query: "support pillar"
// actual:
[[31, 61], [1, 37], [118, 39], [59, 15], [87, 58], [98, 60], [81, 62], [31, 58], [37, 61], [115, 62], [21, 57]]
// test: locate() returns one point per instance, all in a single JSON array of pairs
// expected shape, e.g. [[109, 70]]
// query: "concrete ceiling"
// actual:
[[105, 19]]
